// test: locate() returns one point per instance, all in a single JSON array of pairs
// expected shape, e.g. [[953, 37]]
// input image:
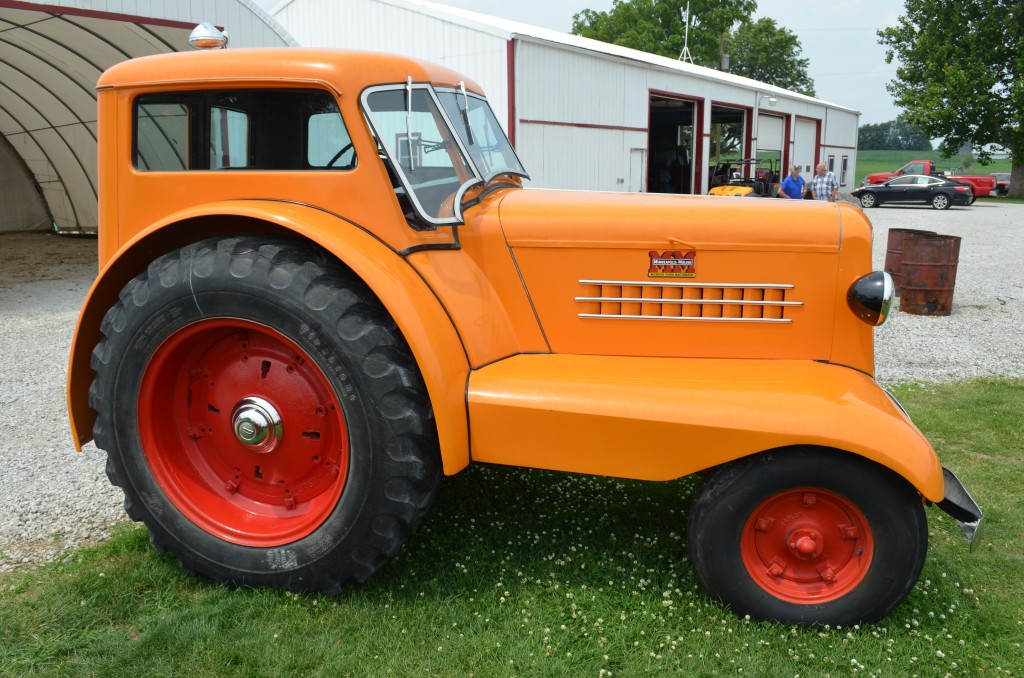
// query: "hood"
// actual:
[[569, 219], [641, 274]]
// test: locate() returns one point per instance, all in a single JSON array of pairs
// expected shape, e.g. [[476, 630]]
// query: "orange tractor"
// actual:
[[323, 286]]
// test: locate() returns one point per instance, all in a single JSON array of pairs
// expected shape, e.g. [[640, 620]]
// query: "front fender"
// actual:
[[433, 339], [663, 418]]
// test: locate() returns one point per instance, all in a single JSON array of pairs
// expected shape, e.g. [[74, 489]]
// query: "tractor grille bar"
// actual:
[[719, 302]]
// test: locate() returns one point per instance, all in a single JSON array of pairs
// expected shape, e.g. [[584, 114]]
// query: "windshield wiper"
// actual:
[[408, 121], [465, 115]]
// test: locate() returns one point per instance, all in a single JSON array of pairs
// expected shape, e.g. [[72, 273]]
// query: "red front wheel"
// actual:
[[807, 536], [807, 545]]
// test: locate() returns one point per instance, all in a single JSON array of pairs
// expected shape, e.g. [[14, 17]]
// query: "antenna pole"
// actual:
[[685, 54]]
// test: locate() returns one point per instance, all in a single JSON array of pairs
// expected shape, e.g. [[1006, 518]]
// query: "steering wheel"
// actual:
[[346, 147]]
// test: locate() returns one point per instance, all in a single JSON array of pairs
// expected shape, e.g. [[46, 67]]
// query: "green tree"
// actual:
[[760, 49], [765, 51], [961, 75], [658, 26], [895, 135]]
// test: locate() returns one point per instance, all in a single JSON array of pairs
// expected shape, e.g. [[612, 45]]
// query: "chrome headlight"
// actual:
[[870, 297]]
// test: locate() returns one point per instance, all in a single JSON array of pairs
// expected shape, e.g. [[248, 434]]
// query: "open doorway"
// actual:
[[671, 142], [728, 134]]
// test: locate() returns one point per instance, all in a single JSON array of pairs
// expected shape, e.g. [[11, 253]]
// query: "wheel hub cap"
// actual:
[[257, 425], [806, 544]]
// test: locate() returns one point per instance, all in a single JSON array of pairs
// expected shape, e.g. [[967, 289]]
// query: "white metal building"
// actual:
[[586, 114], [51, 56]]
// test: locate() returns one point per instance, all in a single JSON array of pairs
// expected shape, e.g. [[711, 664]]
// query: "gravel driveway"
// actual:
[[53, 499]]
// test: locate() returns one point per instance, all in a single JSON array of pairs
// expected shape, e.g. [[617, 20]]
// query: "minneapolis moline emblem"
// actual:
[[672, 264]]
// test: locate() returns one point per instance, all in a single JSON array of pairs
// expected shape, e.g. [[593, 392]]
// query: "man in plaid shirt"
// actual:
[[824, 185]]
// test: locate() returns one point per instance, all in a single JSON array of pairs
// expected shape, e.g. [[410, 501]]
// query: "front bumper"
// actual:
[[961, 506]]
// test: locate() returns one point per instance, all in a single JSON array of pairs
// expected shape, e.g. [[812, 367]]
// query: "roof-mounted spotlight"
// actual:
[[207, 36]]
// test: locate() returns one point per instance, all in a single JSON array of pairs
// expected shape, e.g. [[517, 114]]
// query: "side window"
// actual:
[[328, 143], [266, 129], [914, 168], [902, 181], [162, 137], [229, 138]]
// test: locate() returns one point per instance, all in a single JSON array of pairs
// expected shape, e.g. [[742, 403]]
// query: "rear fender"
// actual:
[[422, 320]]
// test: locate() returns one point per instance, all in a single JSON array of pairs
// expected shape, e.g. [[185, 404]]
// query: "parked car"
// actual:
[[939, 192], [1002, 183]]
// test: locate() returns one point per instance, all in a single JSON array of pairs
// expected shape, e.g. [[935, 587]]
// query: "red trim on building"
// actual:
[[787, 147], [817, 142], [584, 125], [94, 14], [510, 64]]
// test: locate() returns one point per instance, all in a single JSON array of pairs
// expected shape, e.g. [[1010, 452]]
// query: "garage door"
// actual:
[[770, 134]]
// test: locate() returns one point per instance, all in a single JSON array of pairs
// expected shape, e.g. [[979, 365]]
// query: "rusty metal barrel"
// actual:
[[929, 273], [894, 252]]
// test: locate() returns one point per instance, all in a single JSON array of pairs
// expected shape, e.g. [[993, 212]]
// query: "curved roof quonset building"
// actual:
[[51, 56]]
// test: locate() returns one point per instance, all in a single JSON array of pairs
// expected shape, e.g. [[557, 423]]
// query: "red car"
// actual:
[[1002, 183]]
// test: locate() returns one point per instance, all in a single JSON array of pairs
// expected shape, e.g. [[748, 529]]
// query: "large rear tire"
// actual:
[[263, 415], [807, 536]]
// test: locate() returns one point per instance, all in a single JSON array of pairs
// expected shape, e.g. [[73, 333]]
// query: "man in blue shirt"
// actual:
[[824, 185], [793, 185]]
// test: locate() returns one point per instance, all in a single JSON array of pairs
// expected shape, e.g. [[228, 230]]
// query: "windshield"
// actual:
[[414, 126], [480, 132], [421, 146]]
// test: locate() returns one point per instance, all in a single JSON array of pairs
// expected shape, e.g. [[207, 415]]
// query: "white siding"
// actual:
[[804, 143], [383, 27]]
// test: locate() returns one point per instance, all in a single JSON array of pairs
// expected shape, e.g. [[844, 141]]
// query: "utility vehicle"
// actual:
[[323, 286]]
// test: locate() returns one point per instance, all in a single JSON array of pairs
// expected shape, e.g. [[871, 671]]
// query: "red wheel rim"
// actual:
[[807, 545], [243, 432]]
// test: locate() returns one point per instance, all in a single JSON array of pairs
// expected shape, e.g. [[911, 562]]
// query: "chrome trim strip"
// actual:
[[652, 300], [683, 317], [652, 283]]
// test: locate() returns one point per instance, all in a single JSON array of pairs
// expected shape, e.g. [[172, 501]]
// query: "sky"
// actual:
[[837, 36]]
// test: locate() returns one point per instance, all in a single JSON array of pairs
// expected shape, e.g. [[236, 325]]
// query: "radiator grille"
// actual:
[[720, 302]]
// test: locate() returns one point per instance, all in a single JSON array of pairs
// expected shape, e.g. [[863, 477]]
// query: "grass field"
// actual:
[[869, 162], [519, 572]]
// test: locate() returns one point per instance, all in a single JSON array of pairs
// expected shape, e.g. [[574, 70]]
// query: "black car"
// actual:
[[939, 192]]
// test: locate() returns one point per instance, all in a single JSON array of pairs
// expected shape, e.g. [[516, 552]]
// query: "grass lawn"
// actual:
[[519, 572]]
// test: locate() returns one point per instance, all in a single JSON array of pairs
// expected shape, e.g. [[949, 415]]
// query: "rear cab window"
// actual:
[[265, 129]]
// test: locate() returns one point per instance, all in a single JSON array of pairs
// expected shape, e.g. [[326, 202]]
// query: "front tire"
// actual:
[[263, 415], [868, 200], [807, 536]]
